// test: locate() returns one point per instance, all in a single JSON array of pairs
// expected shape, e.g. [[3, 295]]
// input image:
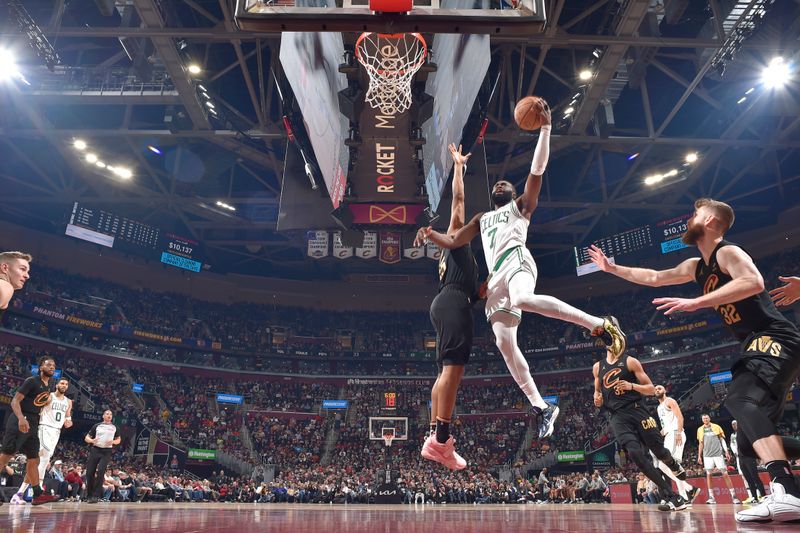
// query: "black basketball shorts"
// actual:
[[15, 441], [451, 316], [635, 423], [773, 356]]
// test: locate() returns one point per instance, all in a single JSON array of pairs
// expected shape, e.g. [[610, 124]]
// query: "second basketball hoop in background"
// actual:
[[391, 60]]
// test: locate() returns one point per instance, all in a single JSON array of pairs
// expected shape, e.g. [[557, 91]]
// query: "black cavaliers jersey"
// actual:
[[35, 396], [756, 313], [2, 312], [458, 267], [610, 375]]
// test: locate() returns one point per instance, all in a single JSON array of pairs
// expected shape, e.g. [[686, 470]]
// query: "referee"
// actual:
[[103, 437]]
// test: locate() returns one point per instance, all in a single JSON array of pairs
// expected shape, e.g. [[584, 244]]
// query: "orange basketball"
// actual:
[[528, 113]]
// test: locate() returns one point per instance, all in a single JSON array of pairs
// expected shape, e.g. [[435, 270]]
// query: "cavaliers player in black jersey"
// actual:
[[770, 345], [451, 315], [620, 383]]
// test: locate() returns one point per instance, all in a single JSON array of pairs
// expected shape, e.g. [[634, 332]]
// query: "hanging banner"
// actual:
[[340, 250], [386, 213], [317, 244], [414, 252], [433, 251], [390, 247], [370, 248]]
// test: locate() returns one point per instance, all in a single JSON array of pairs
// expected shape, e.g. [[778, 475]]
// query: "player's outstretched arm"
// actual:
[[457, 209], [787, 294], [529, 201], [683, 273], [459, 239], [598, 396]]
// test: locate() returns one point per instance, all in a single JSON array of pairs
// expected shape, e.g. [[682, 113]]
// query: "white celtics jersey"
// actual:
[[501, 230], [669, 422], [54, 413]]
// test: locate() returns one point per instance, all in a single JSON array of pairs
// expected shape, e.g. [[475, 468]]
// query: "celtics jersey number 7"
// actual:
[[502, 229]]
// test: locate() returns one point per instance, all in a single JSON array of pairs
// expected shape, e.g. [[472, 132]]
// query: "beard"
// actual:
[[502, 198], [659, 396], [693, 234]]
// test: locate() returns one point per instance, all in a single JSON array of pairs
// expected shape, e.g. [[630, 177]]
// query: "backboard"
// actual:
[[379, 425], [520, 17]]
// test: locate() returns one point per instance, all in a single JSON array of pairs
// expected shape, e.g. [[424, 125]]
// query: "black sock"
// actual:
[[442, 431], [781, 472], [37, 491]]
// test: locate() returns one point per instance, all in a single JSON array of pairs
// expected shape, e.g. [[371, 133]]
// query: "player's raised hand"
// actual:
[[599, 258], [422, 236], [545, 113], [787, 294], [674, 305], [458, 157]]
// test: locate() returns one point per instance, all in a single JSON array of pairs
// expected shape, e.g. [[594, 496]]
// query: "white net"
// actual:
[[391, 60]]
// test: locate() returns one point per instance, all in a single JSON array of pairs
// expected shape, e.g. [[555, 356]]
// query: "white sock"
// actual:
[[733, 492], [506, 337], [522, 296], [23, 488]]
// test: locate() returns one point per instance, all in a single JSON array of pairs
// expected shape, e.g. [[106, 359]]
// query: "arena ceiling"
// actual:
[[655, 69]]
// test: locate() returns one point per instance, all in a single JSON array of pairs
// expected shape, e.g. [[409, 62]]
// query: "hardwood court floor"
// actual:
[[296, 518]]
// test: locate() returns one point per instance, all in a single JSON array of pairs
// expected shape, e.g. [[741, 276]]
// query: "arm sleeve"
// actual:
[[93, 432], [116, 432], [700, 434]]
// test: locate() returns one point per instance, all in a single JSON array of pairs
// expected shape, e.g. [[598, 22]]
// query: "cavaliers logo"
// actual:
[[379, 215], [711, 283], [610, 379], [41, 399]]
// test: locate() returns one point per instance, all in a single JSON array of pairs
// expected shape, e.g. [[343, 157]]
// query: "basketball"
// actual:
[[527, 114]]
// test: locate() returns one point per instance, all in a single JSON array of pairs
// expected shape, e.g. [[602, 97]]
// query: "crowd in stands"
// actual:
[[257, 328]]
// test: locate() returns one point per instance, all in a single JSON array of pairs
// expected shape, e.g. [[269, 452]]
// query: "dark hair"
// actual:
[[44, 358], [63, 379]]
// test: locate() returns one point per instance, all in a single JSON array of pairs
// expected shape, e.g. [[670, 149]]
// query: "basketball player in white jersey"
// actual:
[[53, 416], [671, 418], [512, 275]]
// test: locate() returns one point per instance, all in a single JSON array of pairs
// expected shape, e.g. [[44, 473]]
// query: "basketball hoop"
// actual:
[[391, 60], [387, 439]]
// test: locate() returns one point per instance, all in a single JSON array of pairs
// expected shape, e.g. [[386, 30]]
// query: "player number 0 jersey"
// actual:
[[55, 412], [502, 229]]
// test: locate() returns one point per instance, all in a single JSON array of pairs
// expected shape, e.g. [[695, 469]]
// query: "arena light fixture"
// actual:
[[202, 88], [91, 158], [210, 104], [777, 73], [194, 69], [225, 206], [153, 149], [633, 156], [691, 157], [652, 180], [79, 144], [123, 172], [8, 67], [585, 75], [741, 100], [100, 164]]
